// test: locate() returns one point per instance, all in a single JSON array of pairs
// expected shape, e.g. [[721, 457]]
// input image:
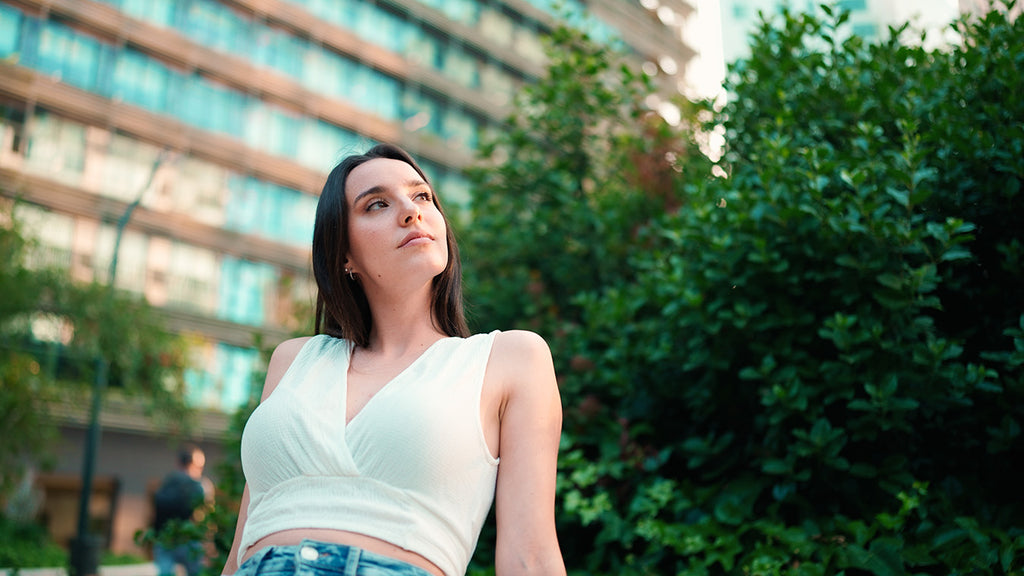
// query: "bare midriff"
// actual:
[[368, 543]]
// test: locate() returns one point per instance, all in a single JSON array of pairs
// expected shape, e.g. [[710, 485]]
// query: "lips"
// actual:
[[413, 236]]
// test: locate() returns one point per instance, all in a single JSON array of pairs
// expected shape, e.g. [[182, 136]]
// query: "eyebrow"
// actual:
[[378, 189]]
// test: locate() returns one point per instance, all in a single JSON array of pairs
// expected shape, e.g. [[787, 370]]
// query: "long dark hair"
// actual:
[[342, 309]]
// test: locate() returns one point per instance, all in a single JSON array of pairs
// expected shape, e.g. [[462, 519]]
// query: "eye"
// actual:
[[376, 204], [424, 195]]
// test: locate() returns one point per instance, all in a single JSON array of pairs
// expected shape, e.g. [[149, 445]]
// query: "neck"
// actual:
[[402, 324]]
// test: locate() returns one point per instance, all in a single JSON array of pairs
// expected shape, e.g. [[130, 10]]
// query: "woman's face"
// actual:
[[395, 230]]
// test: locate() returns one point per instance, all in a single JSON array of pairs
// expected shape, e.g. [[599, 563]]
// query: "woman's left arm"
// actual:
[[530, 429]]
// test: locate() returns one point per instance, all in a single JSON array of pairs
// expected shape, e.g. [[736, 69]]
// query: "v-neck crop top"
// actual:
[[411, 468]]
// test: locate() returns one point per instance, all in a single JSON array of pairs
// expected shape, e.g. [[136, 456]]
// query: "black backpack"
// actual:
[[177, 498]]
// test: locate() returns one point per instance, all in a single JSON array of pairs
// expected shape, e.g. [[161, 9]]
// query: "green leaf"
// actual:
[[776, 466], [956, 253], [901, 196], [889, 280]]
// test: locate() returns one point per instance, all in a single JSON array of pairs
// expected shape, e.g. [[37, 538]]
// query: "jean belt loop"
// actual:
[[352, 562]]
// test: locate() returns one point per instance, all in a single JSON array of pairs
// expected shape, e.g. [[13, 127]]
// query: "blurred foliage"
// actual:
[[53, 330], [24, 390], [808, 365], [27, 545], [579, 165]]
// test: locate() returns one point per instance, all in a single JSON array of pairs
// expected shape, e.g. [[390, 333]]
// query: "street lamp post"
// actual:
[[85, 547]]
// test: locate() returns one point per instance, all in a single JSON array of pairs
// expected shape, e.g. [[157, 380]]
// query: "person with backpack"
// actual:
[[179, 503]]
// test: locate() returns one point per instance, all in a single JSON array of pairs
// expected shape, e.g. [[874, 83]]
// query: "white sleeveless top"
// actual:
[[412, 468]]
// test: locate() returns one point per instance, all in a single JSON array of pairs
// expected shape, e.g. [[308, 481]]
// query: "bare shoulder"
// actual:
[[280, 360], [520, 345], [287, 351], [521, 361]]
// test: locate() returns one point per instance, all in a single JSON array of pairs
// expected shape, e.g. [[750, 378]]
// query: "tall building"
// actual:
[[220, 119], [869, 19]]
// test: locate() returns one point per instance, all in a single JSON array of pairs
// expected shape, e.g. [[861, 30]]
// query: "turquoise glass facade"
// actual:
[[207, 281]]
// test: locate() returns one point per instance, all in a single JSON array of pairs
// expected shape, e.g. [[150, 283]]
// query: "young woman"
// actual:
[[381, 443]]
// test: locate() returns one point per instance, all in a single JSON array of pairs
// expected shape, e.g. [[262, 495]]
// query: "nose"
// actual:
[[412, 213]]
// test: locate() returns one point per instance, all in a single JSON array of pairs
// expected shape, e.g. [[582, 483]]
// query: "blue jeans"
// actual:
[[189, 555], [312, 558]]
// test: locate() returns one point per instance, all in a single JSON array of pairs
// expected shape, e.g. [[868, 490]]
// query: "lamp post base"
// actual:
[[84, 557]]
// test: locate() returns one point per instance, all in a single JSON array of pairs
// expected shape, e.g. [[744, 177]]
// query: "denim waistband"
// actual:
[[313, 558]]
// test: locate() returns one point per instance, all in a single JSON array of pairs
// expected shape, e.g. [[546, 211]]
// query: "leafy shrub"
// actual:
[[814, 365], [27, 545]]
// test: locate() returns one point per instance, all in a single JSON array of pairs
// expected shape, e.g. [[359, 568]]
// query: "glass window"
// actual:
[[528, 44], [56, 147], [279, 50], [223, 379], [334, 11], [10, 30], [271, 211], [383, 94], [126, 167], [497, 84], [321, 145], [272, 129], [198, 189], [54, 235], [496, 26], [72, 57], [243, 208], [852, 5], [424, 49], [197, 382], [358, 91], [460, 66], [191, 276], [236, 374], [213, 24], [353, 18], [865, 30], [140, 80], [421, 111], [300, 213], [12, 132], [326, 73], [209, 105], [383, 28], [455, 191], [132, 257], [292, 221], [245, 290], [464, 11], [159, 12], [459, 129]]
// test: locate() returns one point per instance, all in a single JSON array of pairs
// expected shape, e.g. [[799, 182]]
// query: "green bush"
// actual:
[[814, 365], [27, 545]]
